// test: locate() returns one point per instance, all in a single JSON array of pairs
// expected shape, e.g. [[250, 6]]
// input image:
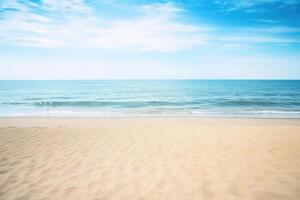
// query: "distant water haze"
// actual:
[[242, 98]]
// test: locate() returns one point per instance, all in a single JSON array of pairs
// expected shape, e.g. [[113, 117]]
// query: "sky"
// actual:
[[142, 39]]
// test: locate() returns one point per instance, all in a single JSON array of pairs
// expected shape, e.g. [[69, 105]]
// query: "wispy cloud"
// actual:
[[268, 21], [252, 36], [272, 29], [259, 39], [155, 27], [239, 4]]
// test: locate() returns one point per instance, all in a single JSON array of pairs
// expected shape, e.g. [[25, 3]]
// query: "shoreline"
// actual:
[[92, 121], [150, 117], [225, 116]]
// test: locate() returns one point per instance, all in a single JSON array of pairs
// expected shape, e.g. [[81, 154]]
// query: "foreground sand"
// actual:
[[149, 158]]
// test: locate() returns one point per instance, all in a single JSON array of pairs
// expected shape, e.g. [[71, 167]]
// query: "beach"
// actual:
[[149, 158]]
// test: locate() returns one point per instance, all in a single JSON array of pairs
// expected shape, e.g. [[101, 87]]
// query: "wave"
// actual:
[[126, 104], [220, 103], [154, 112], [46, 98], [257, 102], [13, 103], [269, 112]]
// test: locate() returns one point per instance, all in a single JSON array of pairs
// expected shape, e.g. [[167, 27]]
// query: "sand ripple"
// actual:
[[152, 159]]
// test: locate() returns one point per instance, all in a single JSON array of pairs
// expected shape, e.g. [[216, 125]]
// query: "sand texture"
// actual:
[[149, 158]]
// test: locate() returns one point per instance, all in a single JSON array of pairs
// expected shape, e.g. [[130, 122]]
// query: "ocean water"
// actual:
[[232, 98]]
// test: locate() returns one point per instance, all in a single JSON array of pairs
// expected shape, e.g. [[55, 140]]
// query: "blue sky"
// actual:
[[131, 39]]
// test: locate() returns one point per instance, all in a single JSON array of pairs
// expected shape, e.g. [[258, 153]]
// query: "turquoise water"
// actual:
[[151, 98]]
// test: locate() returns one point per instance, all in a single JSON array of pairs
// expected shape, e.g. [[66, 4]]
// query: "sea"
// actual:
[[126, 98]]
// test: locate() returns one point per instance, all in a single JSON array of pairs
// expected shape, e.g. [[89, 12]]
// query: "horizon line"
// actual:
[[157, 79]]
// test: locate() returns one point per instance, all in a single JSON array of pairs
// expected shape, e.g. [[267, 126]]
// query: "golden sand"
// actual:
[[149, 158]]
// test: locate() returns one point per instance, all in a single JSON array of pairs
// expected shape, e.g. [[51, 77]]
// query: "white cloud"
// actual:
[[66, 5], [156, 27], [156, 30]]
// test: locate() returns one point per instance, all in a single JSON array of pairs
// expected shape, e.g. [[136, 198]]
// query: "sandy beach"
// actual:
[[149, 158]]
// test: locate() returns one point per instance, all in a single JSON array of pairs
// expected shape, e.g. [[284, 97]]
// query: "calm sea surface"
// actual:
[[151, 98]]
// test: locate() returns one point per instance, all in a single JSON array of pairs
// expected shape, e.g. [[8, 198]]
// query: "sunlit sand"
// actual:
[[149, 158]]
